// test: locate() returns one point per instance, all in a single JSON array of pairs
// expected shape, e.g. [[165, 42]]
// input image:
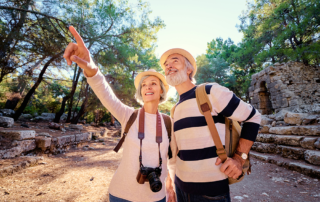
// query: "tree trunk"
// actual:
[[82, 110], [35, 86], [61, 111], [15, 97], [73, 90]]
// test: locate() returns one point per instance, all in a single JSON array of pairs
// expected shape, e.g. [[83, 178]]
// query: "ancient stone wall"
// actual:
[[291, 86]]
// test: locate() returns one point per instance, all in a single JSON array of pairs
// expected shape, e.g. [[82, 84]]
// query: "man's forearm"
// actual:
[[244, 146]]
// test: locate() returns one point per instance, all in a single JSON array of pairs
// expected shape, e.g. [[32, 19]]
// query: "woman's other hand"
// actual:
[[78, 53]]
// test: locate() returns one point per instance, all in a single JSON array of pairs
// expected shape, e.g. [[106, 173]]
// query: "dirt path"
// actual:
[[84, 175]]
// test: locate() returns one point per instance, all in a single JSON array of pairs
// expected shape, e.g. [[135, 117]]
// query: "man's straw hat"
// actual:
[[180, 51], [150, 72]]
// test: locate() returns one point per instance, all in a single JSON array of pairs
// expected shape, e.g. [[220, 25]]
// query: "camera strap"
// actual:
[[141, 134]]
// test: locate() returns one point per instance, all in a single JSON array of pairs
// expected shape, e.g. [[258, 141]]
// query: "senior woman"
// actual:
[[143, 151]]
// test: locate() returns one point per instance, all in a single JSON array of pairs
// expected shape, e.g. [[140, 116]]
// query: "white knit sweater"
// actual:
[[124, 184]]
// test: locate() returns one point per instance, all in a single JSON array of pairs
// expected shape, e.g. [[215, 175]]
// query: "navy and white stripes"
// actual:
[[193, 151]]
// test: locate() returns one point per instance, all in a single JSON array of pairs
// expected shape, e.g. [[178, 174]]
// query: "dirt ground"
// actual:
[[84, 175]]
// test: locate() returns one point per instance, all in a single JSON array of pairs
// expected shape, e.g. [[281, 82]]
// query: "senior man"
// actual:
[[194, 166]]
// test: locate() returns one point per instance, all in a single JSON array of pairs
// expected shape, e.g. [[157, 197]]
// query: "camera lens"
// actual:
[[154, 181]]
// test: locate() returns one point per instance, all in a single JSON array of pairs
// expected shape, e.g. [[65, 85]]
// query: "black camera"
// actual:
[[150, 175]]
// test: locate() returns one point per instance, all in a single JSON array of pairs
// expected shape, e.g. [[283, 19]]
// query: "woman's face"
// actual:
[[151, 89]]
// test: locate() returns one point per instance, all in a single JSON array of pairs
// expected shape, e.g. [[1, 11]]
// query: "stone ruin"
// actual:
[[288, 97], [291, 86]]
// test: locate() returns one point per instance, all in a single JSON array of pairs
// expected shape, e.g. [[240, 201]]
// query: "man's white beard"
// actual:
[[177, 78]]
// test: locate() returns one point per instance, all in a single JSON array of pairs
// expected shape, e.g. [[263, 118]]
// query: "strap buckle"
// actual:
[[221, 151]]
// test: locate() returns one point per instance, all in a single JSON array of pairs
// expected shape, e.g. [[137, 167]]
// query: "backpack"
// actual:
[[167, 122], [233, 131]]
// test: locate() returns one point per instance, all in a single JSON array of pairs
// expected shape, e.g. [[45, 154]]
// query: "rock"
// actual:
[[46, 117], [281, 123], [63, 130], [1, 114], [6, 122], [288, 140], [238, 197], [76, 126], [280, 115], [281, 130], [308, 142], [296, 130], [61, 140], [273, 124], [44, 134], [265, 129], [79, 137], [18, 134], [96, 135], [7, 112], [265, 121], [25, 116], [312, 157], [104, 132], [24, 125], [23, 146], [266, 138], [317, 143], [91, 148], [310, 119], [117, 124], [43, 142], [291, 152], [272, 116], [103, 143], [264, 147], [307, 130], [294, 118]]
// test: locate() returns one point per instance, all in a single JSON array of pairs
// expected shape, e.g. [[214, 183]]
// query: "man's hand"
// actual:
[[169, 189], [231, 167], [78, 53]]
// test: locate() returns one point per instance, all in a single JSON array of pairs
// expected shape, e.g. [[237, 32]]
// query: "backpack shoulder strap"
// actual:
[[205, 108], [131, 120], [167, 122], [172, 110], [202, 97]]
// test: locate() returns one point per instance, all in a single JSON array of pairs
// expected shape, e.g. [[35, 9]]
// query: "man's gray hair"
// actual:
[[189, 66], [138, 96]]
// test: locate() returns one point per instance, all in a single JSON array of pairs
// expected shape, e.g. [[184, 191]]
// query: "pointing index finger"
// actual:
[[77, 36]]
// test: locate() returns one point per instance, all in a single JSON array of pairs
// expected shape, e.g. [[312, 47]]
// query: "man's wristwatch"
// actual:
[[244, 156]]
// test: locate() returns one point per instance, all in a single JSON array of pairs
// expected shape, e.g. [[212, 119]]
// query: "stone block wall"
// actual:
[[287, 139], [292, 86]]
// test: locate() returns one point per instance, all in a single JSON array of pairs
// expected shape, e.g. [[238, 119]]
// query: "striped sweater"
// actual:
[[192, 163]]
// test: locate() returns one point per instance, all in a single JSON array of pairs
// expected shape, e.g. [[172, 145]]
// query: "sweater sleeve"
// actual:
[[228, 104], [105, 94]]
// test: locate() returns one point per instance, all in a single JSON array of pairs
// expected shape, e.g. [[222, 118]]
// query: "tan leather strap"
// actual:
[[167, 122], [205, 109], [126, 130], [141, 133], [202, 97]]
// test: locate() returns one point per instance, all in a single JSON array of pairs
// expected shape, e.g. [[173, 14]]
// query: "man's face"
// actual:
[[176, 71]]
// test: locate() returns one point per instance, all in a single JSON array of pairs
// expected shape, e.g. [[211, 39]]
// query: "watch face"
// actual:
[[244, 156]]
